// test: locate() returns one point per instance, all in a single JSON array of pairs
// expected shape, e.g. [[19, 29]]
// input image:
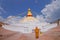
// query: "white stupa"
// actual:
[[28, 23]]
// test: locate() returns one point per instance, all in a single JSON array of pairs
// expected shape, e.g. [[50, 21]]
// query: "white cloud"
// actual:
[[12, 19], [52, 11], [2, 10], [40, 18], [1, 19]]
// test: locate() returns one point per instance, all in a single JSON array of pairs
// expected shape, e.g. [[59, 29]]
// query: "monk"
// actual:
[[37, 32]]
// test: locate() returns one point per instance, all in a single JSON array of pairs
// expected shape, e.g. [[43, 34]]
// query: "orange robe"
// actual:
[[37, 32]]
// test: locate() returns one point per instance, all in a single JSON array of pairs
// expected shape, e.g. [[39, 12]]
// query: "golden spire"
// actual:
[[29, 12]]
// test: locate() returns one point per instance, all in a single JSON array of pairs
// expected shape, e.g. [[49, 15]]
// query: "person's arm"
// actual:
[[40, 31]]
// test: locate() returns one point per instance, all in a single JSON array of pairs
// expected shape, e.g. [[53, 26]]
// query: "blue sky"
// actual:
[[20, 7]]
